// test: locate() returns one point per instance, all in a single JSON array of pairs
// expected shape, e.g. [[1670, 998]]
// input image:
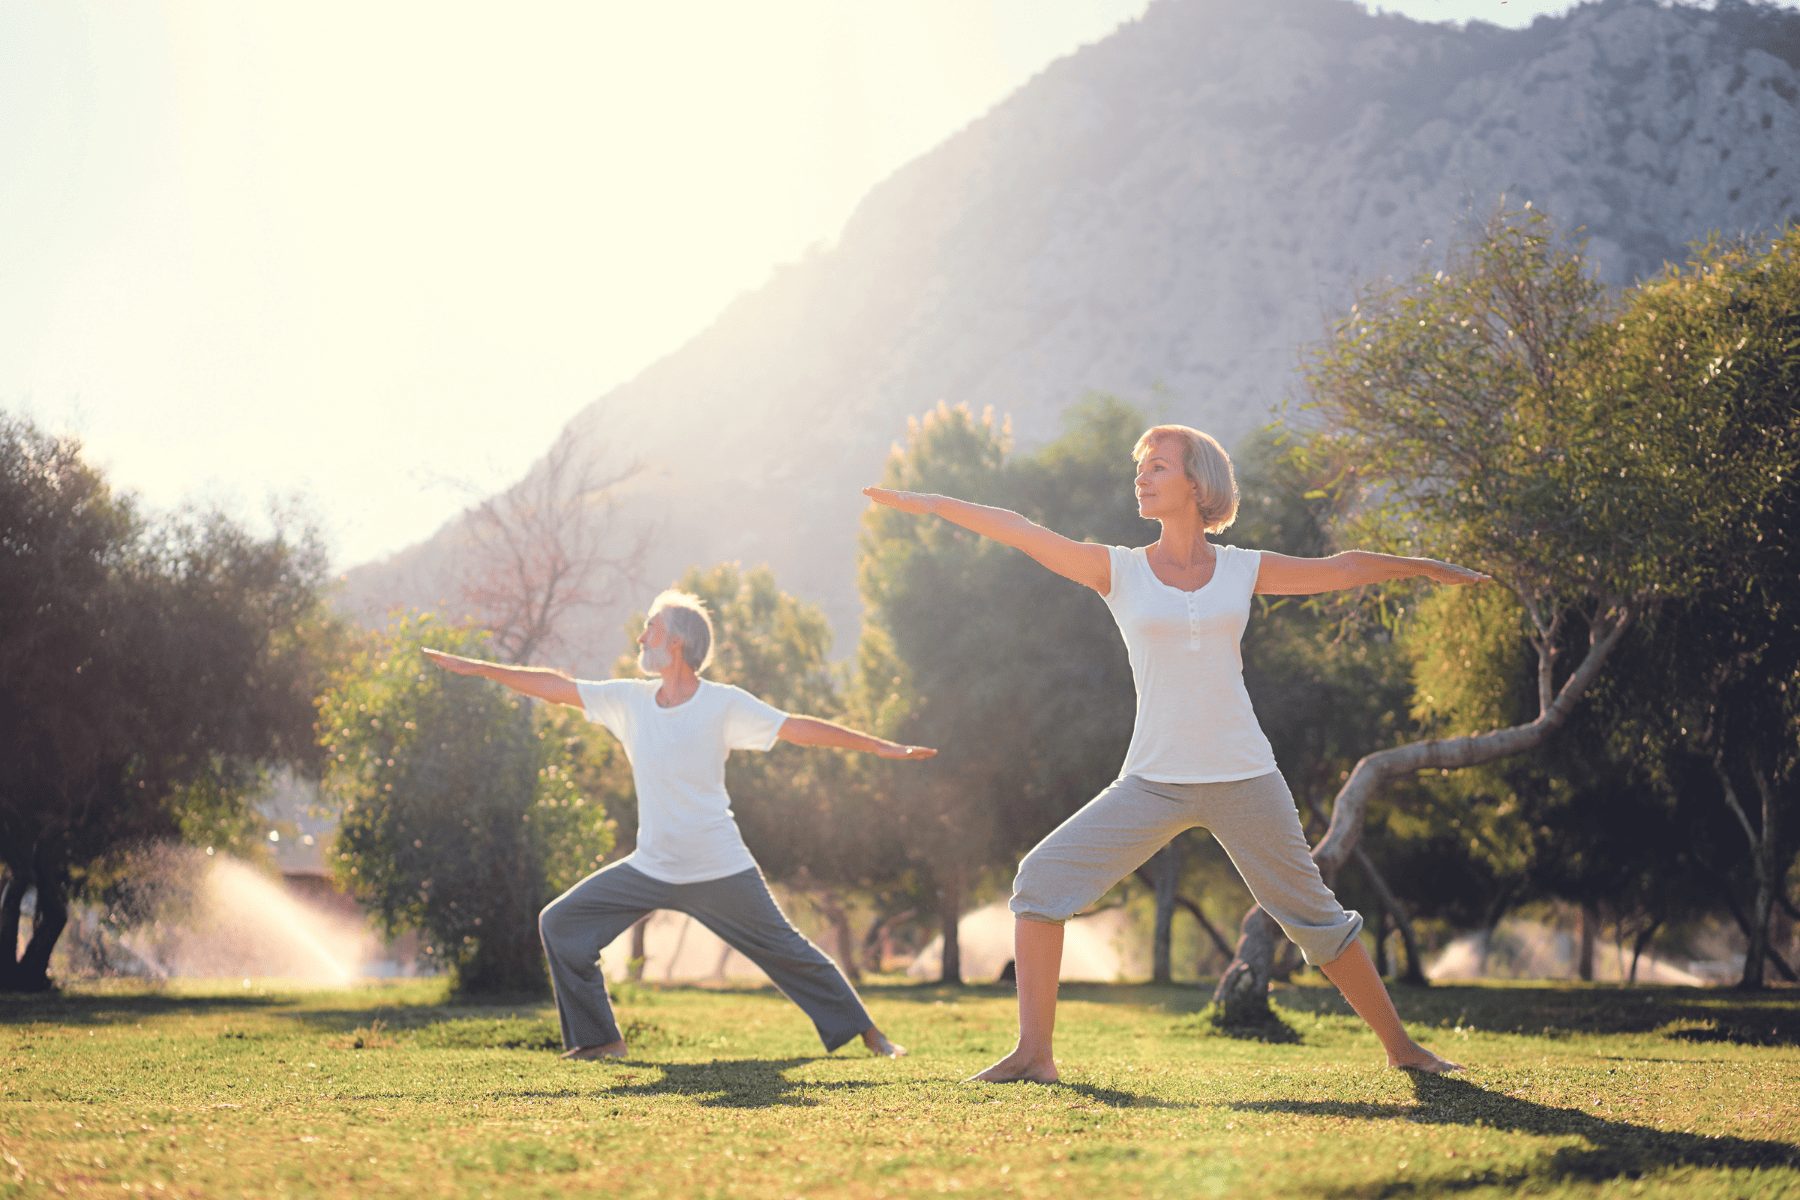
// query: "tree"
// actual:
[[1491, 413], [449, 822], [1716, 346], [535, 556], [941, 609], [974, 648], [150, 672], [548, 548]]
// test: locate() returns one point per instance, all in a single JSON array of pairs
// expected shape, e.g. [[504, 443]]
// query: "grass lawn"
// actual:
[[260, 1090]]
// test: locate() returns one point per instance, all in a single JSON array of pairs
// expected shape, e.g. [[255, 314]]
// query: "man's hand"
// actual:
[[910, 502], [896, 751], [454, 662]]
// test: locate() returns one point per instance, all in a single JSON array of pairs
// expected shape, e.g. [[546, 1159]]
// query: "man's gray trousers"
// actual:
[[582, 921]]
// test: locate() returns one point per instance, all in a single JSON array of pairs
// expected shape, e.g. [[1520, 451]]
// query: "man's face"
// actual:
[[656, 649]]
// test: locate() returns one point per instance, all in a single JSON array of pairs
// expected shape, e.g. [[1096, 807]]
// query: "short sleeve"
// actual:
[[1246, 565], [750, 724], [1119, 568], [604, 701]]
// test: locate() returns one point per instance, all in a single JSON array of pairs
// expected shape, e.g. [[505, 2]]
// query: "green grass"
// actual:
[[217, 1090]]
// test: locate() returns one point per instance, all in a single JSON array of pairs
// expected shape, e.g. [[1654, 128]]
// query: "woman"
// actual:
[[677, 730], [1197, 755]]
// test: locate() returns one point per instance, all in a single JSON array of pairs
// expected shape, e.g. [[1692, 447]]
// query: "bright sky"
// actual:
[[378, 253]]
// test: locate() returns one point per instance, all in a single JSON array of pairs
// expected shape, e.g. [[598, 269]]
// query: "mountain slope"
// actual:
[[1167, 215]]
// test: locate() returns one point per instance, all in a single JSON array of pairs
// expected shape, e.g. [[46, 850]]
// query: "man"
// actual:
[[677, 730]]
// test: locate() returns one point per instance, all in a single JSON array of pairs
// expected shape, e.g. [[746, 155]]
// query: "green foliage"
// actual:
[[1016, 676], [1500, 412], [1608, 459], [150, 671], [1472, 664], [461, 814]]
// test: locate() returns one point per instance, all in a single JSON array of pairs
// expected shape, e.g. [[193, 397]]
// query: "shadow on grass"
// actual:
[[16, 1009], [734, 1083], [1615, 1149], [1555, 1010], [1116, 1098]]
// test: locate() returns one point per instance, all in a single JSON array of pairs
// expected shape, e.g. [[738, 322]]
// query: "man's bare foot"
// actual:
[[1421, 1059], [1018, 1068], [589, 1053], [878, 1044]]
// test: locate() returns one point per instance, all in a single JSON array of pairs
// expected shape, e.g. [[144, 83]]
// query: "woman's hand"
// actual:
[[454, 662], [1084, 562], [1443, 572], [892, 750], [911, 502]]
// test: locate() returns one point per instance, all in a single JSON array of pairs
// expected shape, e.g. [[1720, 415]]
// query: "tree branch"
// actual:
[[1375, 770]]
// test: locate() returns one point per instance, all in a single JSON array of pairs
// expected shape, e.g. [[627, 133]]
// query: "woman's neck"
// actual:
[[1183, 542]]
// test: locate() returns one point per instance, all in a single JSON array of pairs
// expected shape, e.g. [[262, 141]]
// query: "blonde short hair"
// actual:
[[1205, 463], [685, 617]]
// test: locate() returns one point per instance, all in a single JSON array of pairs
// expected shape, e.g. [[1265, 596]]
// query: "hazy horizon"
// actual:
[[378, 257]]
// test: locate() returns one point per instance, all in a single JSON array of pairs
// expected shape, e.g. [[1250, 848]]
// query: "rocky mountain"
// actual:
[[1166, 216]]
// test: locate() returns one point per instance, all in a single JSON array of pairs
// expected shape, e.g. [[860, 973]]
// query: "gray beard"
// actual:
[[654, 660]]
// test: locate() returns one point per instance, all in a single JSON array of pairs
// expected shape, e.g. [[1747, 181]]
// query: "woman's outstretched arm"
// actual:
[[542, 683], [1284, 575], [811, 731], [1084, 562]]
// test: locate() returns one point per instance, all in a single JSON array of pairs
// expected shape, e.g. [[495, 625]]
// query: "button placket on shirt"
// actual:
[[1193, 620]]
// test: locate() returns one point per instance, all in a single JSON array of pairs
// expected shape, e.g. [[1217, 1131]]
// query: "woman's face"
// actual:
[[1163, 488]]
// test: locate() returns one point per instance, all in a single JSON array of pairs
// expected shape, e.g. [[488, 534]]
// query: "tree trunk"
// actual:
[[1637, 947], [1415, 962], [635, 969], [1243, 992], [12, 898], [1762, 856], [1381, 940], [1590, 933], [1165, 868], [1743, 923], [839, 920], [47, 923], [1218, 939], [878, 946], [1391, 906], [950, 897]]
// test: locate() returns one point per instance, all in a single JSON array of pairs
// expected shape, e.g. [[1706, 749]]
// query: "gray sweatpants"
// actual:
[[582, 921], [1254, 819]]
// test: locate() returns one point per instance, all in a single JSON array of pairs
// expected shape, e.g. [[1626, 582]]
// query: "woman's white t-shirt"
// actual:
[[686, 832], [1194, 721]]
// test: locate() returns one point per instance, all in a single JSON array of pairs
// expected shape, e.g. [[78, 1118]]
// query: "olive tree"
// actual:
[[450, 823], [151, 672], [1504, 413]]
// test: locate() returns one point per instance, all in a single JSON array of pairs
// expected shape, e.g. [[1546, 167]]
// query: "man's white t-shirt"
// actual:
[[686, 832], [1194, 720]]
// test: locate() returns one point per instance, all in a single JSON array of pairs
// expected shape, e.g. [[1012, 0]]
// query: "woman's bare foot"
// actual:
[[589, 1053], [878, 1044], [1018, 1068], [1418, 1058]]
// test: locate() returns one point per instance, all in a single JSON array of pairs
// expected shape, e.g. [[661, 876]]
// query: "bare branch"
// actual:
[[548, 546]]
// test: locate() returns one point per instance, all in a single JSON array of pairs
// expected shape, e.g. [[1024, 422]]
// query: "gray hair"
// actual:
[[685, 617]]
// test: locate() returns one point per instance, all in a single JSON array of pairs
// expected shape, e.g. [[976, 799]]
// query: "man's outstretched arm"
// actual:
[[541, 683], [811, 731]]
